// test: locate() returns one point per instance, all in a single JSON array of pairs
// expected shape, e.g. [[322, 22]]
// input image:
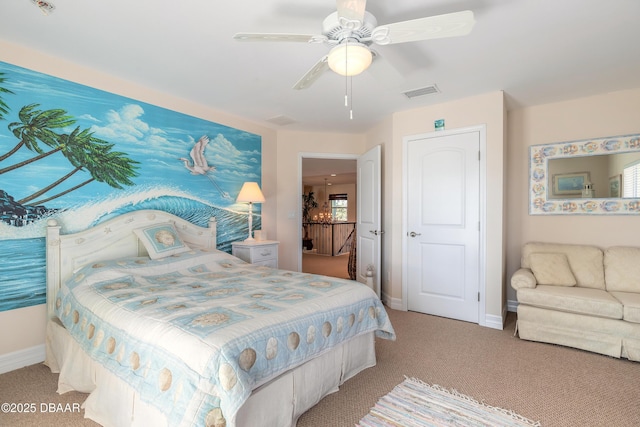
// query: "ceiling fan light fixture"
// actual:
[[350, 59]]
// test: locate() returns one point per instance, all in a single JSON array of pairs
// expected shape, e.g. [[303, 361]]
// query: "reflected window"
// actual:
[[631, 180]]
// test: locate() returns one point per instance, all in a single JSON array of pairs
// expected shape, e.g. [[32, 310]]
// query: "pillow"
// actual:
[[161, 240], [551, 269]]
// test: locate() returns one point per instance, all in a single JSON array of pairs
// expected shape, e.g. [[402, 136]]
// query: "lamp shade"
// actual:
[[250, 192], [350, 59]]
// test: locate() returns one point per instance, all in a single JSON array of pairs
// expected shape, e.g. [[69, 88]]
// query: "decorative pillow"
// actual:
[[161, 240], [552, 269]]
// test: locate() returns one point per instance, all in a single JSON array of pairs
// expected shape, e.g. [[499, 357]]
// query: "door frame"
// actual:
[[306, 155], [482, 244]]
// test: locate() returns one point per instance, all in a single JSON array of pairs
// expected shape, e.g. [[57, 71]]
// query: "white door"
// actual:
[[443, 224], [368, 227]]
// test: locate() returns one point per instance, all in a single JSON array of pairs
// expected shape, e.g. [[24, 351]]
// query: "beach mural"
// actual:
[[84, 156]]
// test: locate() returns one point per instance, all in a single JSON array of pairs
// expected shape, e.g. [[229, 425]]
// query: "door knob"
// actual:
[[414, 234]]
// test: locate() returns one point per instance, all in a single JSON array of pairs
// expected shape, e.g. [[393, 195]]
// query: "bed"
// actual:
[[161, 328]]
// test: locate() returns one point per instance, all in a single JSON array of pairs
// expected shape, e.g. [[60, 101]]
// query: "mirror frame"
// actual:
[[539, 156]]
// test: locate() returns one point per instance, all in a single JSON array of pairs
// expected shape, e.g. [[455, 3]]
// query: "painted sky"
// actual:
[[156, 137]]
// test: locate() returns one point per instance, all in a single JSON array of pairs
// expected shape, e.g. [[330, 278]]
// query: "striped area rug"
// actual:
[[414, 403]]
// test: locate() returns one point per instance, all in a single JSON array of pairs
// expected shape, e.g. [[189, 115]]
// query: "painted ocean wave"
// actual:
[[23, 273]]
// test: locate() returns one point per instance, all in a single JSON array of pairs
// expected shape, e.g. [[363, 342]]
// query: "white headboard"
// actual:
[[109, 240]]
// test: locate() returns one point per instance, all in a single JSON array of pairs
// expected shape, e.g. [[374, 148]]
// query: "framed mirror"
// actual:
[[592, 176]]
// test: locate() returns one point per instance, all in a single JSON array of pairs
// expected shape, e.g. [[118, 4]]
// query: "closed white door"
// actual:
[[369, 233], [443, 224]]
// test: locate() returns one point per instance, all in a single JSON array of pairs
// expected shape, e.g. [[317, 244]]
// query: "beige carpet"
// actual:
[[334, 266], [555, 385]]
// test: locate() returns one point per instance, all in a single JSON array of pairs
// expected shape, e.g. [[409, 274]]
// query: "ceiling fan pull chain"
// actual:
[[346, 78], [351, 96], [346, 91]]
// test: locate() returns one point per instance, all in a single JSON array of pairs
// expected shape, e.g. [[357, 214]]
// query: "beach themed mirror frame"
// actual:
[[541, 187], [83, 156]]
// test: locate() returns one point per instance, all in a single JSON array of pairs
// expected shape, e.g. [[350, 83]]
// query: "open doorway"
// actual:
[[328, 222]]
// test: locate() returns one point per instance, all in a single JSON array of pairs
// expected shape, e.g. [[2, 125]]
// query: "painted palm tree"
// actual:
[[67, 144], [85, 152], [119, 170], [76, 147], [115, 169], [4, 108], [36, 125]]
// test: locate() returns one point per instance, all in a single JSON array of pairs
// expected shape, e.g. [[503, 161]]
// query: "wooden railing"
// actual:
[[331, 239]]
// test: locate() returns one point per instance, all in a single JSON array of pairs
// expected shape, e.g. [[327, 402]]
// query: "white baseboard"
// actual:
[[494, 322], [490, 320], [392, 303], [21, 358]]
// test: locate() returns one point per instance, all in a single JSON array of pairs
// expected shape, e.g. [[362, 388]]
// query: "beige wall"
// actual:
[[28, 324], [485, 109], [291, 146], [597, 116], [22, 328]]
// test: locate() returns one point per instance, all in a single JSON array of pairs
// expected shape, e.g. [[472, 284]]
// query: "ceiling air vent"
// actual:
[[281, 120], [427, 90]]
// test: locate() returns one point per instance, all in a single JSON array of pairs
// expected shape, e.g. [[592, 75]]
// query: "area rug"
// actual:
[[414, 403]]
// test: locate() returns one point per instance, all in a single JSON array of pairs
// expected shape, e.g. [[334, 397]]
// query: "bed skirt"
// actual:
[[280, 402]]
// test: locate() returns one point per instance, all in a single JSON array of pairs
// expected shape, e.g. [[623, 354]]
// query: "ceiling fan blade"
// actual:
[[431, 27], [384, 71], [313, 74], [279, 37], [351, 13]]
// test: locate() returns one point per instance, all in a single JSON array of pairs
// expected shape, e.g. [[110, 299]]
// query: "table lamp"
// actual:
[[250, 193]]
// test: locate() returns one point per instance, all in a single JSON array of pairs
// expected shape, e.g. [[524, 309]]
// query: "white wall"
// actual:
[[597, 116], [27, 325]]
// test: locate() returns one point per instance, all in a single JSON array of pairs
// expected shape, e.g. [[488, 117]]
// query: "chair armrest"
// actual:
[[523, 278]]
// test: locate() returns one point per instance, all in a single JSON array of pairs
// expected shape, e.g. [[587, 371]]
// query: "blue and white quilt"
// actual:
[[194, 333]]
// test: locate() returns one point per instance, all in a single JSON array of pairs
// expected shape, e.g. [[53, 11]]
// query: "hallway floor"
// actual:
[[334, 266]]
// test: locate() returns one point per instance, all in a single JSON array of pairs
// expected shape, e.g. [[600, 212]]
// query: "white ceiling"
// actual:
[[537, 51]]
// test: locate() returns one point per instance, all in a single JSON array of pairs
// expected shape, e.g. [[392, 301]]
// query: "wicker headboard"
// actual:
[[111, 239]]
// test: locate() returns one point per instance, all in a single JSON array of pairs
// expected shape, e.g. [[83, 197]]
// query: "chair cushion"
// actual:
[[631, 303], [552, 269], [585, 261], [594, 302], [622, 269]]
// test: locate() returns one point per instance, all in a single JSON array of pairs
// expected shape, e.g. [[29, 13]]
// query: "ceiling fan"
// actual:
[[351, 31]]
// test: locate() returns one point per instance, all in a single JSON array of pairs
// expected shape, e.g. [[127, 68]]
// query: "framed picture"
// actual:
[[615, 186], [569, 184]]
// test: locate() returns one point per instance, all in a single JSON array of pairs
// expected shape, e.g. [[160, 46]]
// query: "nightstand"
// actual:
[[260, 252]]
